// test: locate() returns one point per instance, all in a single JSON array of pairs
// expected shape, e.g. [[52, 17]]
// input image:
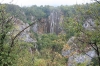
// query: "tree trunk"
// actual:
[[98, 60]]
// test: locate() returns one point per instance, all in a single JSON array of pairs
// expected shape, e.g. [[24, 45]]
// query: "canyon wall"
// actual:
[[51, 24]]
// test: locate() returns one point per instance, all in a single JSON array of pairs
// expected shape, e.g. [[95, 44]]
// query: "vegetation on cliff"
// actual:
[[80, 21]]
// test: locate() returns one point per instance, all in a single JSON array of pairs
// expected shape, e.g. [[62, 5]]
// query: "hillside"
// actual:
[[58, 36]]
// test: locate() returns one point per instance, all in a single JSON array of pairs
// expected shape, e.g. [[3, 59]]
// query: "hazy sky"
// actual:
[[44, 2]]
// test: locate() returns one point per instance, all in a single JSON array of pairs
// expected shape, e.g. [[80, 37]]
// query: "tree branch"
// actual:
[[20, 33], [97, 1], [13, 39]]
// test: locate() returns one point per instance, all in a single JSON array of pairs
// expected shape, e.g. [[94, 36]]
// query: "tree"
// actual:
[[7, 42], [6, 59], [87, 36]]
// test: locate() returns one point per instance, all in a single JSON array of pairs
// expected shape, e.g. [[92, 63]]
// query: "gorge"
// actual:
[[68, 33]]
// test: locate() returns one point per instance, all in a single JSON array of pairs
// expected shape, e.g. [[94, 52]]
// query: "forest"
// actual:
[[50, 36]]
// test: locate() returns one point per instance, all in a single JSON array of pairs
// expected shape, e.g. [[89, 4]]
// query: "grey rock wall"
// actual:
[[51, 24], [19, 26]]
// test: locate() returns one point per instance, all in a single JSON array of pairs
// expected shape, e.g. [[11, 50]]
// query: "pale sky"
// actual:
[[44, 2]]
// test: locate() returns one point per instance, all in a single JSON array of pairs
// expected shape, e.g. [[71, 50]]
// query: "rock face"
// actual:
[[89, 24], [69, 48], [81, 58], [20, 25], [74, 56], [55, 19], [51, 24]]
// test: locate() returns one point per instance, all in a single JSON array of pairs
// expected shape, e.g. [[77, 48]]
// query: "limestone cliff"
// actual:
[[19, 26], [75, 55], [51, 24]]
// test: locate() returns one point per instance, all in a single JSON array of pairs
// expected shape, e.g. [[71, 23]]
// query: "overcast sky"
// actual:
[[44, 2]]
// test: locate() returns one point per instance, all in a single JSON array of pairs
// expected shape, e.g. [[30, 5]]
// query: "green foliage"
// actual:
[[82, 64], [68, 11], [45, 41], [40, 62], [26, 13], [16, 11], [6, 58], [51, 41], [94, 62], [23, 52], [38, 12], [72, 27], [85, 37], [50, 47]]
